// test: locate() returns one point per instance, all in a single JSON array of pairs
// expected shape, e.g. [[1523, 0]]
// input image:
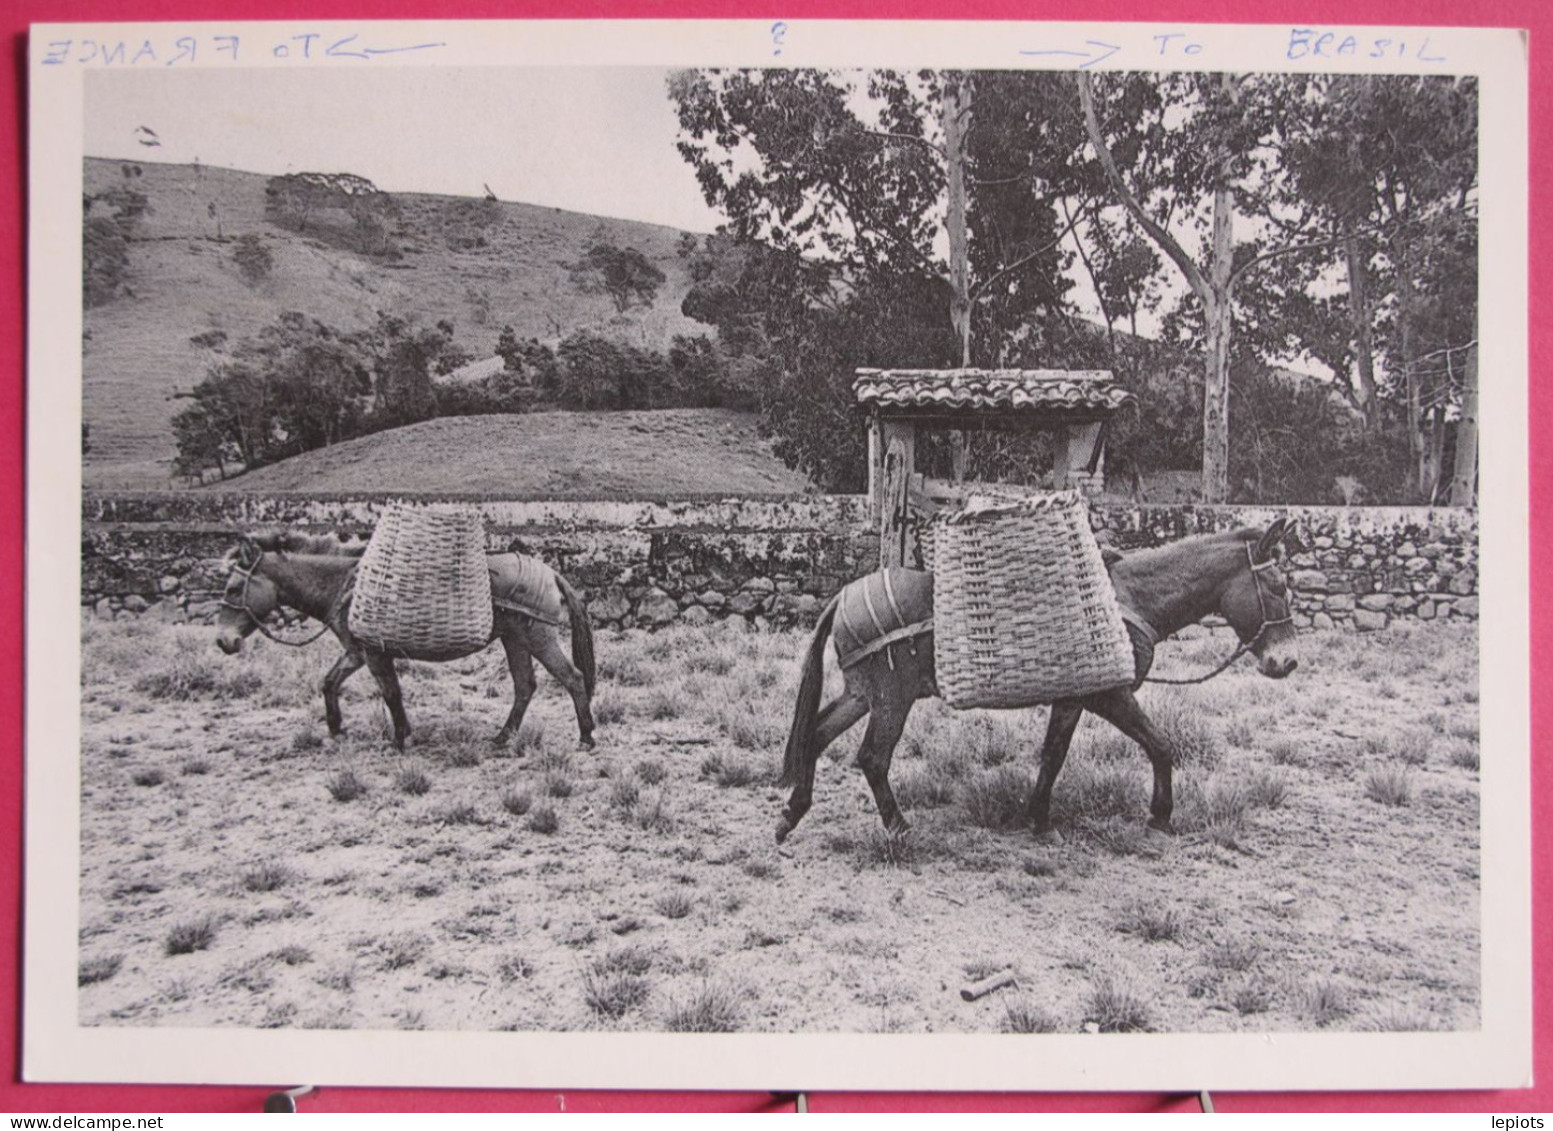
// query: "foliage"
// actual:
[[300, 384], [292, 200], [623, 273], [254, 260], [109, 221]]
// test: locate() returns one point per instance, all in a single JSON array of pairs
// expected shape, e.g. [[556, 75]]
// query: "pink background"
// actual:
[[17, 1097]]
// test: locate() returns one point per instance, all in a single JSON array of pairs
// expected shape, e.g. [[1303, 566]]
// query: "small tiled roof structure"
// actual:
[[1065, 394]]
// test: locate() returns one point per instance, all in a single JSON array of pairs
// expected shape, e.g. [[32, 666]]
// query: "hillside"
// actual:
[[553, 455], [183, 282]]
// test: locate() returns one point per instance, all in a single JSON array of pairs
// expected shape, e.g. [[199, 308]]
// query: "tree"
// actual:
[[623, 273], [105, 239], [253, 258], [293, 199]]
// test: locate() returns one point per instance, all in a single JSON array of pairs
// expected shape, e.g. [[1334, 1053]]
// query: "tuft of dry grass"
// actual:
[[1118, 1008], [1463, 754], [650, 771], [714, 1007], [1267, 789], [1391, 784], [346, 785], [516, 801], [544, 820], [1324, 1001], [150, 777], [98, 969], [674, 904], [996, 799], [413, 780], [270, 876], [1151, 924], [612, 995], [1022, 1015], [186, 938]]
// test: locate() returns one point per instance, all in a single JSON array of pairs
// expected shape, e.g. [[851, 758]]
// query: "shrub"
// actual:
[[254, 260], [674, 904], [544, 820], [516, 801], [413, 780]]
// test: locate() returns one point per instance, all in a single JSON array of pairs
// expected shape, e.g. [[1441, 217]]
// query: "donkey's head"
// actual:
[[249, 597], [1255, 600]]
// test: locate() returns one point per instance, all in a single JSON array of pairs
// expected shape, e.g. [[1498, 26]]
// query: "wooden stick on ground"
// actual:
[[987, 985]]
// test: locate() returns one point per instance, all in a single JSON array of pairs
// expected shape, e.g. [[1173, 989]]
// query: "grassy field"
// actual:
[[240, 869], [553, 455], [184, 283]]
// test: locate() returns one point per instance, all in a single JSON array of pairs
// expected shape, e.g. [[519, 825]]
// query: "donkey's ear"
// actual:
[[1268, 544], [1292, 540]]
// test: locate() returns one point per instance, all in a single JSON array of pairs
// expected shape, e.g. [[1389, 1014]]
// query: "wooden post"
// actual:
[[1079, 447], [895, 466]]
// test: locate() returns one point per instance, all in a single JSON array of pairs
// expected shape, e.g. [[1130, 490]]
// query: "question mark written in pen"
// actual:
[[778, 30]]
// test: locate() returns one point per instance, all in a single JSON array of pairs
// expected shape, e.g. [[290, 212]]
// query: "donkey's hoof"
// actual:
[[784, 826], [1047, 835], [585, 742], [1162, 825]]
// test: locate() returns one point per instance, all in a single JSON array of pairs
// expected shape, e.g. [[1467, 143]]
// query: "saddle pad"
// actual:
[[525, 585], [877, 610]]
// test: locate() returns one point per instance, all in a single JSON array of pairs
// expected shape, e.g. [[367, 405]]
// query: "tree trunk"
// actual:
[[1219, 317], [956, 114], [1359, 315], [1464, 483], [1414, 398]]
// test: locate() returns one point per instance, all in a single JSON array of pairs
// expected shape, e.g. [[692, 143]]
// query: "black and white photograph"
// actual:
[[971, 537]]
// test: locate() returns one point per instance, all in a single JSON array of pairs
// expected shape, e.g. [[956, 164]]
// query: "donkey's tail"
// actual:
[[582, 633], [802, 738]]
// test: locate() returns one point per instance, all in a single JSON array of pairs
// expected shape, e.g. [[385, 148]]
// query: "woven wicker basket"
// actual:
[[422, 589], [1023, 609]]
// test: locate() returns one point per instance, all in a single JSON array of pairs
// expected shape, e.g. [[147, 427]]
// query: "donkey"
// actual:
[[1234, 574], [315, 576]]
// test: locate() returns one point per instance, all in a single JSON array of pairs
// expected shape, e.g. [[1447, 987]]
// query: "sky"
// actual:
[[594, 140]]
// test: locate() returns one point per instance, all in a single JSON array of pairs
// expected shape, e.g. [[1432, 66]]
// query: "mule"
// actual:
[[315, 575], [1233, 574]]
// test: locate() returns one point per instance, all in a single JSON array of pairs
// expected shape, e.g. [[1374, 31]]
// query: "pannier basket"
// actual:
[[422, 589], [1023, 608]]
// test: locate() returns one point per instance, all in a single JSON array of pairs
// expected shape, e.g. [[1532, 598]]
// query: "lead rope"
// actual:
[[1261, 605], [242, 607]]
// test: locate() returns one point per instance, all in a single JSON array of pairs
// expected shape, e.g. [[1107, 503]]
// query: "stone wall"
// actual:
[[637, 563], [1361, 568], [653, 563]]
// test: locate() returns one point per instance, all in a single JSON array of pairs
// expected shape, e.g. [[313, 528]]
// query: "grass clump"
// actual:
[[516, 801], [1022, 1015], [186, 938], [544, 820], [1117, 1008], [996, 799], [673, 904], [713, 1008], [1151, 924], [1391, 784], [268, 877], [346, 785], [98, 969], [413, 780], [149, 777]]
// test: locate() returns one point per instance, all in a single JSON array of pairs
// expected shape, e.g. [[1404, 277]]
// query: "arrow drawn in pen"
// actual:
[[1089, 57]]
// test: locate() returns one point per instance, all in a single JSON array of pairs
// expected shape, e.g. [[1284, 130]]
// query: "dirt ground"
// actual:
[[242, 869]]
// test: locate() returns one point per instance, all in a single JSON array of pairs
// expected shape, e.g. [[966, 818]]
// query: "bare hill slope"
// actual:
[[552, 455], [183, 282]]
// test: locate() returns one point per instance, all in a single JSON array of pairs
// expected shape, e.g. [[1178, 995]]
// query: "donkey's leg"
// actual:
[[346, 666], [1120, 708], [546, 646], [381, 665], [893, 693], [521, 664], [1054, 751], [835, 717]]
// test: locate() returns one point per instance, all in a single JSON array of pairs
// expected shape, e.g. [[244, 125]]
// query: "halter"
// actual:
[[242, 605], [1256, 568]]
